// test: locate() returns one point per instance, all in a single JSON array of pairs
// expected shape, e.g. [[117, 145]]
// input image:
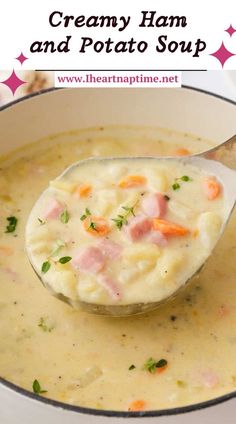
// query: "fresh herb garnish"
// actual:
[[65, 259], [41, 221], [85, 215], [42, 324], [47, 264], [45, 267], [37, 388], [176, 185], [129, 210], [151, 364], [92, 226], [122, 219], [58, 246], [132, 367], [185, 178], [161, 363], [12, 223], [65, 216]]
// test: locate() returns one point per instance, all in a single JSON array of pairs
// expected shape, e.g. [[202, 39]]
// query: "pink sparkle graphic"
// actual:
[[230, 30], [22, 58], [222, 54], [13, 82]]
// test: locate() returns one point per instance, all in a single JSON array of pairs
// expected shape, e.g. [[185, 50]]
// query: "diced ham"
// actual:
[[154, 205], [138, 227], [53, 210], [209, 379], [90, 259], [110, 286], [156, 237], [110, 249]]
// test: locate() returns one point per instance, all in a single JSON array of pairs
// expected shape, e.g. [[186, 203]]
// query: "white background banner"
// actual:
[[123, 35]]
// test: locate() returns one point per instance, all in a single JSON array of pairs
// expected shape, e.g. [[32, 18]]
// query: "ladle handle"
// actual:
[[225, 153]]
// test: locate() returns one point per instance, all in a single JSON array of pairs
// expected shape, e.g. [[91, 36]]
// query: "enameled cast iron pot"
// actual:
[[55, 111]]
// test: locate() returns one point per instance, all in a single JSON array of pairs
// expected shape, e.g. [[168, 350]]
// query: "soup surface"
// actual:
[[182, 353], [124, 232]]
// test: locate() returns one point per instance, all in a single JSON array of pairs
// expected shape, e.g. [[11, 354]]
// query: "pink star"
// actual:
[[22, 58], [13, 82], [222, 54], [230, 30]]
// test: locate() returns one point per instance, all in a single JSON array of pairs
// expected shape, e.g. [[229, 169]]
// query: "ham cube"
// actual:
[[138, 227], [111, 286], [156, 237], [53, 210], [90, 260], [209, 379], [154, 205], [110, 249]]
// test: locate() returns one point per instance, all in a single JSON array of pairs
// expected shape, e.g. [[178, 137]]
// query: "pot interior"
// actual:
[[58, 111]]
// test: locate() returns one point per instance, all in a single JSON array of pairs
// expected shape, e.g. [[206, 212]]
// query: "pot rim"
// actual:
[[112, 413]]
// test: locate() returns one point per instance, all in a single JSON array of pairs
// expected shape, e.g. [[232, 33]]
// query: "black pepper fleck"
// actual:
[[173, 317]]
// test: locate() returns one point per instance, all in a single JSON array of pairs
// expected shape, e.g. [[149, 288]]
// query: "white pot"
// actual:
[[56, 111]]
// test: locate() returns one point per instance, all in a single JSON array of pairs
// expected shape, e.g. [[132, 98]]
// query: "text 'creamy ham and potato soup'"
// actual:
[[180, 354], [124, 231]]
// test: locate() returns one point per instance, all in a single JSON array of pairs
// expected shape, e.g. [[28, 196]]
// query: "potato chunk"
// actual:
[[63, 282], [141, 252], [169, 264], [209, 224], [68, 186]]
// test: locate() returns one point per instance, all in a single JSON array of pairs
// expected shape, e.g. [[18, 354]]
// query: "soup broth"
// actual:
[[180, 354]]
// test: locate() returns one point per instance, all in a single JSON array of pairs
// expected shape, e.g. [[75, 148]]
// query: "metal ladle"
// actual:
[[219, 161]]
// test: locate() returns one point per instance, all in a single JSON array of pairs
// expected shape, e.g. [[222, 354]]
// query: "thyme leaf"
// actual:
[[122, 219], [12, 223]]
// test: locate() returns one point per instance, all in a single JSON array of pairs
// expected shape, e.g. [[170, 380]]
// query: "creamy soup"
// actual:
[[126, 231], [182, 353]]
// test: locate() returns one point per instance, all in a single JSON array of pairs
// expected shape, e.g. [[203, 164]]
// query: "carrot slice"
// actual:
[[132, 181], [96, 225], [162, 369], [182, 152], [169, 228], [84, 190], [137, 405], [212, 188]]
